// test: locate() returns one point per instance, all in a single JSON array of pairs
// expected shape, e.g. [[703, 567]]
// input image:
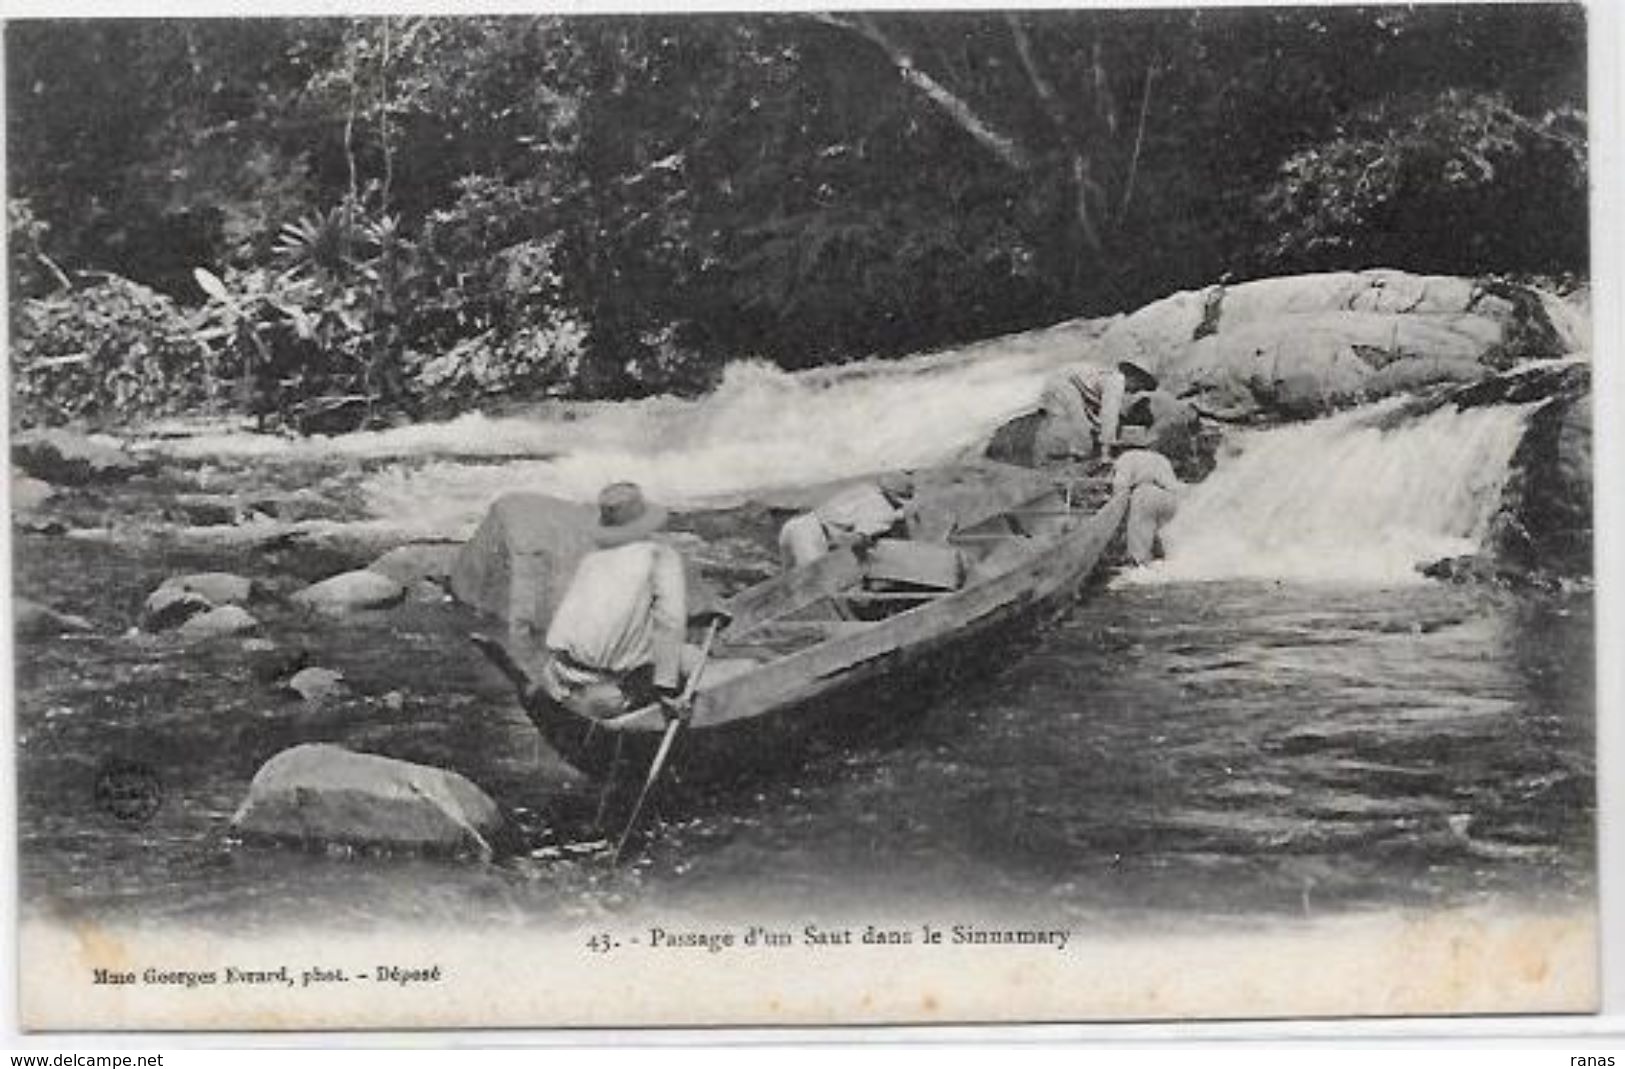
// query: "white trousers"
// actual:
[[1150, 507]]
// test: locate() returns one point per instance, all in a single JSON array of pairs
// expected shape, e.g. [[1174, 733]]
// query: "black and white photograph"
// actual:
[[802, 517]]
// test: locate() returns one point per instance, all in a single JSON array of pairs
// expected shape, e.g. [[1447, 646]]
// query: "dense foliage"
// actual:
[[327, 221]]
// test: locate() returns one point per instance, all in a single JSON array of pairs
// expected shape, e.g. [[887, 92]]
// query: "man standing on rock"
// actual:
[[1153, 488], [616, 641]]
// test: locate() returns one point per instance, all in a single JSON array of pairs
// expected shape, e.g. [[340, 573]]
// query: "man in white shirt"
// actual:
[[616, 641], [1153, 488], [1082, 405], [857, 514]]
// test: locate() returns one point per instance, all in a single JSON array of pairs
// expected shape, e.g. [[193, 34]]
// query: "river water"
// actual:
[[1279, 719]]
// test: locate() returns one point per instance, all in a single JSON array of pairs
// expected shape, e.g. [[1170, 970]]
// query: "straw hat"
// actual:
[[626, 516]]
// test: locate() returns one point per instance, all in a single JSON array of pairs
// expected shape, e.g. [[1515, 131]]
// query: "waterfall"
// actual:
[[763, 428], [1360, 496], [1342, 497]]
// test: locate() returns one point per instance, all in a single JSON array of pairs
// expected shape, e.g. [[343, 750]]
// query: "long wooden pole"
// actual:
[[667, 739]]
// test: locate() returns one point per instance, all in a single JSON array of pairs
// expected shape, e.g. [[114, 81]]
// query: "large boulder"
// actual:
[[320, 794], [72, 459], [519, 562], [169, 607], [351, 592], [316, 684], [522, 557], [1308, 344]]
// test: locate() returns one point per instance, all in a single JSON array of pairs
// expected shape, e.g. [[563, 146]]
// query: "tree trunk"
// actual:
[[1004, 148]]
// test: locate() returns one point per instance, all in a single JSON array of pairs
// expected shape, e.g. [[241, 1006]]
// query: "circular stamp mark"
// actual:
[[128, 791]]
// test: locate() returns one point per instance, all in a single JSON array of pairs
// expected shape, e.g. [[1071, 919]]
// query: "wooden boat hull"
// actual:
[[855, 687]]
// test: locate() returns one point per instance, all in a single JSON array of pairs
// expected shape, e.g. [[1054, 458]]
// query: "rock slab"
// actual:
[[70, 459], [415, 562], [182, 597], [216, 623], [318, 793], [34, 620], [28, 494], [351, 592], [520, 560]]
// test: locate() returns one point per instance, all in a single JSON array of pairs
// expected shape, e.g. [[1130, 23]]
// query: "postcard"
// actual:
[[802, 518]]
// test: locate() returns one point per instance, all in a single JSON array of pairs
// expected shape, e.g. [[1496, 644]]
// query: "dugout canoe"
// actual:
[[843, 650]]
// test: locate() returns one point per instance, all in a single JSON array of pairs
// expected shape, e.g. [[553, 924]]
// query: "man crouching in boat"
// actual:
[[859, 514], [1153, 488], [616, 641]]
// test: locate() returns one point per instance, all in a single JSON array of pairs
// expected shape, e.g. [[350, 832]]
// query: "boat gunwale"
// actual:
[[863, 649]]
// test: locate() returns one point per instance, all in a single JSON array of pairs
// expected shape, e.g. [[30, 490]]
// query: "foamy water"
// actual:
[[762, 429], [1345, 498], [1340, 498]]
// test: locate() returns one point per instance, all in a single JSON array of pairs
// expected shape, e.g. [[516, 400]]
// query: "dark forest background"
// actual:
[[341, 221]]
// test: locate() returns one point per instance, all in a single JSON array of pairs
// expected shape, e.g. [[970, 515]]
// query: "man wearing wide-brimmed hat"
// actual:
[[1082, 405], [860, 513], [616, 640]]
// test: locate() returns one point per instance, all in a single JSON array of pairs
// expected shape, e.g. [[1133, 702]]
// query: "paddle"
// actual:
[[686, 700]]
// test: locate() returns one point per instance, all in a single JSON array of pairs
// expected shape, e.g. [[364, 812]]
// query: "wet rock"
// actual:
[[220, 588], [323, 794], [205, 510], [1486, 569], [1545, 524], [1421, 373], [519, 562], [270, 663], [40, 527], [1016, 442], [28, 494], [410, 564], [181, 597], [72, 459], [216, 623], [427, 592], [1300, 346], [351, 592], [316, 684], [293, 507], [34, 620], [1566, 380], [169, 607], [1466, 568]]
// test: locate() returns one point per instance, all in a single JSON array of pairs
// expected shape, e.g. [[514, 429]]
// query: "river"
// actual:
[[1280, 719]]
